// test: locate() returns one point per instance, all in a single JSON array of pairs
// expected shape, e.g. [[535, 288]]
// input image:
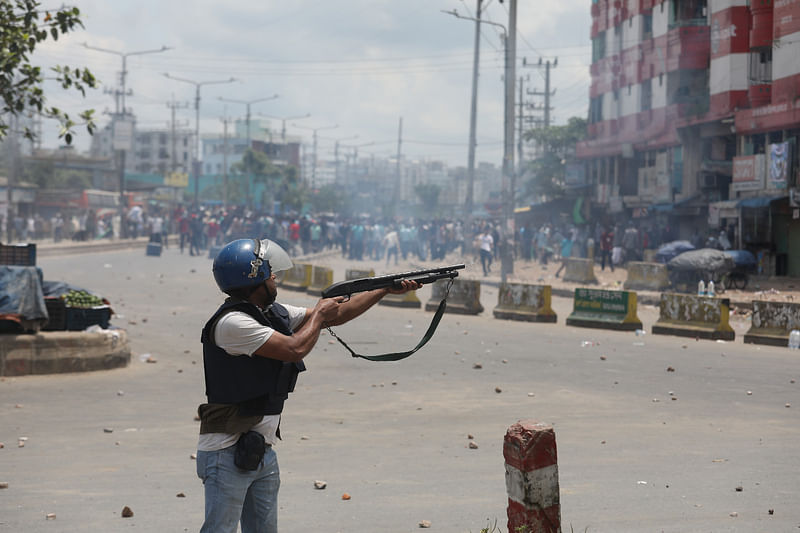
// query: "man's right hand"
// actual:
[[328, 308]]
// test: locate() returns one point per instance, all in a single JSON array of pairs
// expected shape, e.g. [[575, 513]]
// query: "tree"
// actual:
[[558, 145], [21, 83]]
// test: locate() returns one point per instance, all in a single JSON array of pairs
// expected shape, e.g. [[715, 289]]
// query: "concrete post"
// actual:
[[529, 450]]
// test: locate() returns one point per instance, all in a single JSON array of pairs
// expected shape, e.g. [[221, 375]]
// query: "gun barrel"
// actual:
[[346, 288]]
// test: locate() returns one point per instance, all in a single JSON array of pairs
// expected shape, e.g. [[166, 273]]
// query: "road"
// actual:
[[654, 433]]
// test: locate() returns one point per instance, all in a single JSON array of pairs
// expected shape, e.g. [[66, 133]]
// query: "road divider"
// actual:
[[522, 301], [646, 277], [597, 308], [687, 315], [772, 322], [578, 270], [298, 277], [464, 297], [321, 279]]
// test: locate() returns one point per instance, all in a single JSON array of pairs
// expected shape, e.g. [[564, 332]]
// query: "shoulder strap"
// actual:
[[396, 356]]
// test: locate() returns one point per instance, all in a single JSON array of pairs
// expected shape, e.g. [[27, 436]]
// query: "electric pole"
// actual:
[[396, 195], [225, 121], [196, 161], [173, 106], [473, 118], [547, 94]]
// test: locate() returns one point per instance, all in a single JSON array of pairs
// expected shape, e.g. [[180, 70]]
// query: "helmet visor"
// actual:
[[276, 256]]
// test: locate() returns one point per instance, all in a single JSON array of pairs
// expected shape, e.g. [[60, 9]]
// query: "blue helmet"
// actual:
[[248, 262]]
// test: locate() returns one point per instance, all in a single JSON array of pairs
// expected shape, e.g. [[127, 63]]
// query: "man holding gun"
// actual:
[[253, 351]]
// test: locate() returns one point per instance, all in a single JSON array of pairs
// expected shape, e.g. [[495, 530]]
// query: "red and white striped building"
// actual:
[[694, 117]]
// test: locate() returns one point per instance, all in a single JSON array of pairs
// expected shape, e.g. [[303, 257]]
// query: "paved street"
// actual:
[[654, 433]]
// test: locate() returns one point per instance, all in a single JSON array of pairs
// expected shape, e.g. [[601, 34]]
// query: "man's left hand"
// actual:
[[406, 286]]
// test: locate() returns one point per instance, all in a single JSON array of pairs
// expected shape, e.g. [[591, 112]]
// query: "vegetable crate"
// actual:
[[80, 318], [18, 254], [57, 313]]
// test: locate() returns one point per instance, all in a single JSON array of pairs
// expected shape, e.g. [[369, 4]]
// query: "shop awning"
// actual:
[[759, 201]]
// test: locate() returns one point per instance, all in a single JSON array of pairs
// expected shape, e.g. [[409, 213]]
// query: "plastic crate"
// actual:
[[57, 313], [153, 249], [18, 254], [79, 318]]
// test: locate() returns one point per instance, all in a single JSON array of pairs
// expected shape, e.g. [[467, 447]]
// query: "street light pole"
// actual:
[[314, 155], [509, 45], [196, 162], [283, 122], [119, 104], [248, 103]]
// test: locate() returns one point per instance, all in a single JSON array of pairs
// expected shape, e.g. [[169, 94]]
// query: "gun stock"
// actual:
[[353, 286]]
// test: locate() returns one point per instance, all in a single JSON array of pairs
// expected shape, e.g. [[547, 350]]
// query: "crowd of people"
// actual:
[[195, 230]]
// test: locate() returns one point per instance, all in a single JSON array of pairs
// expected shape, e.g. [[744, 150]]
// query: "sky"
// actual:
[[356, 66]]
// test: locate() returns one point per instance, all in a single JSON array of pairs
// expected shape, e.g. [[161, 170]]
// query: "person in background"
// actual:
[[487, 245]]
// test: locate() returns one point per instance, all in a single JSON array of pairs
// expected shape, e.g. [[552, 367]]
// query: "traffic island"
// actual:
[[58, 352]]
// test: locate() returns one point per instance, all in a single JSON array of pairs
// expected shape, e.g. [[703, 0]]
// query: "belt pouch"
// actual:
[[250, 450]]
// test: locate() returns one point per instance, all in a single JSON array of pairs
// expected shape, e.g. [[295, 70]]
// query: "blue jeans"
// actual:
[[233, 494]]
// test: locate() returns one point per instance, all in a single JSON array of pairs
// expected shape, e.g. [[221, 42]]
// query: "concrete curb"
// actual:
[[57, 352]]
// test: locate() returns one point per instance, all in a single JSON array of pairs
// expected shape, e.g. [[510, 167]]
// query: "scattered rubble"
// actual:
[[127, 512]]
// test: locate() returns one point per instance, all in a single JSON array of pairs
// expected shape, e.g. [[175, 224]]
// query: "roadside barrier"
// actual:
[[597, 308], [578, 270], [321, 278], [646, 277], [531, 462], [56, 352], [772, 322], [464, 298], [298, 277], [687, 315], [520, 301]]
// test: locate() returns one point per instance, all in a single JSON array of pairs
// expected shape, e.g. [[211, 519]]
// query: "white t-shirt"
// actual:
[[486, 242], [239, 334]]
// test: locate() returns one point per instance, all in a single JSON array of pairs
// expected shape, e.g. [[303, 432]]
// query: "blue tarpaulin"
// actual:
[[21, 292]]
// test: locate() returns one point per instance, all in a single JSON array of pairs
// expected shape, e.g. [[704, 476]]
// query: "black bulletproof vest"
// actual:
[[259, 385]]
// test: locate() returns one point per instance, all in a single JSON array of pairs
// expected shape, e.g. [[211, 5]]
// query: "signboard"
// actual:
[[600, 301], [575, 175], [176, 179], [122, 135], [748, 172], [779, 165]]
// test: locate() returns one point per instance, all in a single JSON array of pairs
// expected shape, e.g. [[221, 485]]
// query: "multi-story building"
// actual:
[[694, 117], [156, 151]]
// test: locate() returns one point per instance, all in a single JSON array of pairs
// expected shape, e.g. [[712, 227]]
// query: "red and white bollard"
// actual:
[[529, 449]]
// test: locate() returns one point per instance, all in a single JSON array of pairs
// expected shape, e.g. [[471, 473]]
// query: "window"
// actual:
[[596, 109], [647, 26], [599, 47], [647, 95], [760, 66]]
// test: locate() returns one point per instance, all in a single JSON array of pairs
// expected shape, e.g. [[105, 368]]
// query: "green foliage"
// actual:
[[46, 176], [558, 145], [22, 27]]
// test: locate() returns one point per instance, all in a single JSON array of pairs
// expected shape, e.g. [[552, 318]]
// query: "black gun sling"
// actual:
[[437, 317]]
